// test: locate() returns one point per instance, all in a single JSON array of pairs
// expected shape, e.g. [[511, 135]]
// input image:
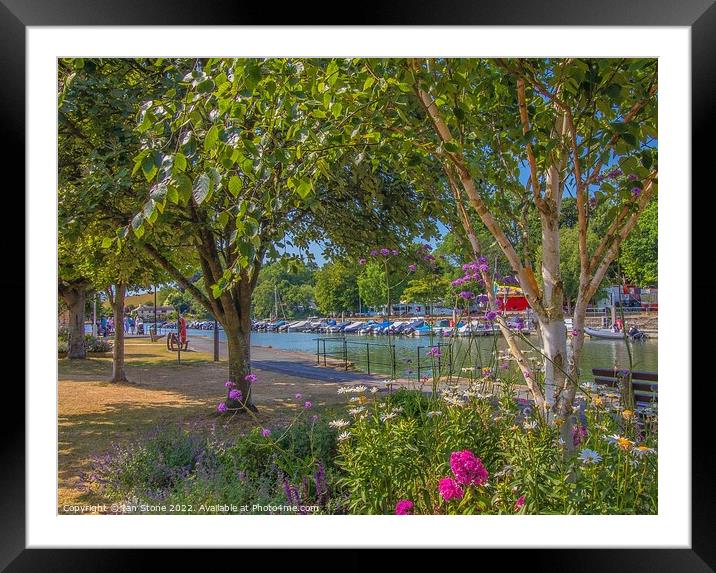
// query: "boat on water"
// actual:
[[353, 327], [298, 326], [609, 334], [423, 330]]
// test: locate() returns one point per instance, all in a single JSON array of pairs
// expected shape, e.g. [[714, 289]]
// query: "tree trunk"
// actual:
[[118, 374], [74, 296]]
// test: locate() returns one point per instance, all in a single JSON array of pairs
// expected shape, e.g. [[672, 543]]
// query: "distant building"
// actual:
[[146, 312]]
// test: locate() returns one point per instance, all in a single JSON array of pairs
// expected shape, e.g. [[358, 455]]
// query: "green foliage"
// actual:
[[372, 285], [400, 448], [187, 468], [336, 288], [639, 260], [288, 283]]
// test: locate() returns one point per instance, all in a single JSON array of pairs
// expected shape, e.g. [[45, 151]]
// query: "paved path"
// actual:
[[299, 364]]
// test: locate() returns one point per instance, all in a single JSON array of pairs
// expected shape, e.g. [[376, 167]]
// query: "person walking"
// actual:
[[103, 323], [131, 325]]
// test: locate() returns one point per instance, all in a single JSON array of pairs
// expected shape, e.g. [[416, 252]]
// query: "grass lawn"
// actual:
[[93, 413]]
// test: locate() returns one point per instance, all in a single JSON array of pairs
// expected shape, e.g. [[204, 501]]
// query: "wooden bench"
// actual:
[[644, 385]]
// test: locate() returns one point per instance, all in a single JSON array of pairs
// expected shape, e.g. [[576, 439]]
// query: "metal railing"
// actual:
[[358, 354]]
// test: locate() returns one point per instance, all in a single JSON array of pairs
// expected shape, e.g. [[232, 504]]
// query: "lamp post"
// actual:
[[155, 310]]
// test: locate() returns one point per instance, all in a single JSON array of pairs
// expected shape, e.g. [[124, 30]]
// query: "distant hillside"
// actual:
[[135, 300]]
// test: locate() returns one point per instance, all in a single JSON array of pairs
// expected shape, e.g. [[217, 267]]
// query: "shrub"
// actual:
[[405, 447]]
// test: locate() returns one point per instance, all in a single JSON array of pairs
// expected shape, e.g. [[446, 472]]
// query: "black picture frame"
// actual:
[[699, 15]]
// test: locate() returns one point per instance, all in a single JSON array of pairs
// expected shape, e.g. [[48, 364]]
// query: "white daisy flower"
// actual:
[[338, 424], [435, 413], [387, 416], [588, 456], [356, 411], [344, 436]]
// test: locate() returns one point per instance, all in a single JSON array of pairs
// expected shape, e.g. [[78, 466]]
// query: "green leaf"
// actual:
[[183, 184], [212, 137], [173, 194], [137, 220], [451, 146], [304, 188], [629, 138], [107, 242], [180, 162], [149, 168], [369, 81], [207, 86], [235, 185], [223, 218], [201, 188]]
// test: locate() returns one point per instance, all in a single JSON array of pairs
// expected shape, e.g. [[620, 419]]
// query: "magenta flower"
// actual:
[[519, 504], [404, 507], [221, 408], [491, 315], [251, 378], [299, 396], [467, 295], [235, 395], [636, 191], [229, 384], [362, 261], [307, 405], [450, 489], [579, 433], [412, 268], [265, 432], [467, 468], [575, 332], [483, 267], [434, 352]]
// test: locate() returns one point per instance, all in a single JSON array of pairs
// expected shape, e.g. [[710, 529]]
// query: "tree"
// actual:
[[510, 136], [238, 156], [336, 287], [639, 258], [96, 103], [284, 289]]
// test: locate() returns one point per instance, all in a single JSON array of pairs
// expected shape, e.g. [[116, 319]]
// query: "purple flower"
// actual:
[[412, 268], [229, 384], [467, 295], [467, 468], [221, 408], [314, 418], [575, 332], [395, 252], [385, 252], [404, 507], [482, 298], [491, 315], [374, 253], [251, 378], [483, 267], [434, 352], [299, 396], [265, 432], [636, 191], [615, 173], [504, 365], [362, 261], [450, 489], [235, 395], [579, 432], [457, 282], [429, 258], [528, 374], [633, 177], [307, 404], [519, 504]]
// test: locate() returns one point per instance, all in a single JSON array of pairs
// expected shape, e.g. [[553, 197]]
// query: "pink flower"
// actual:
[[221, 408], [299, 396], [412, 268], [362, 261], [229, 384], [235, 395], [404, 507], [449, 489], [395, 252], [575, 332], [467, 468], [308, 405], [265, 432], [519, 503], [251, 378]]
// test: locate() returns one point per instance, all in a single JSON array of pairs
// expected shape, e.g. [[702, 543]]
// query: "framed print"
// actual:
[[397, 281]]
